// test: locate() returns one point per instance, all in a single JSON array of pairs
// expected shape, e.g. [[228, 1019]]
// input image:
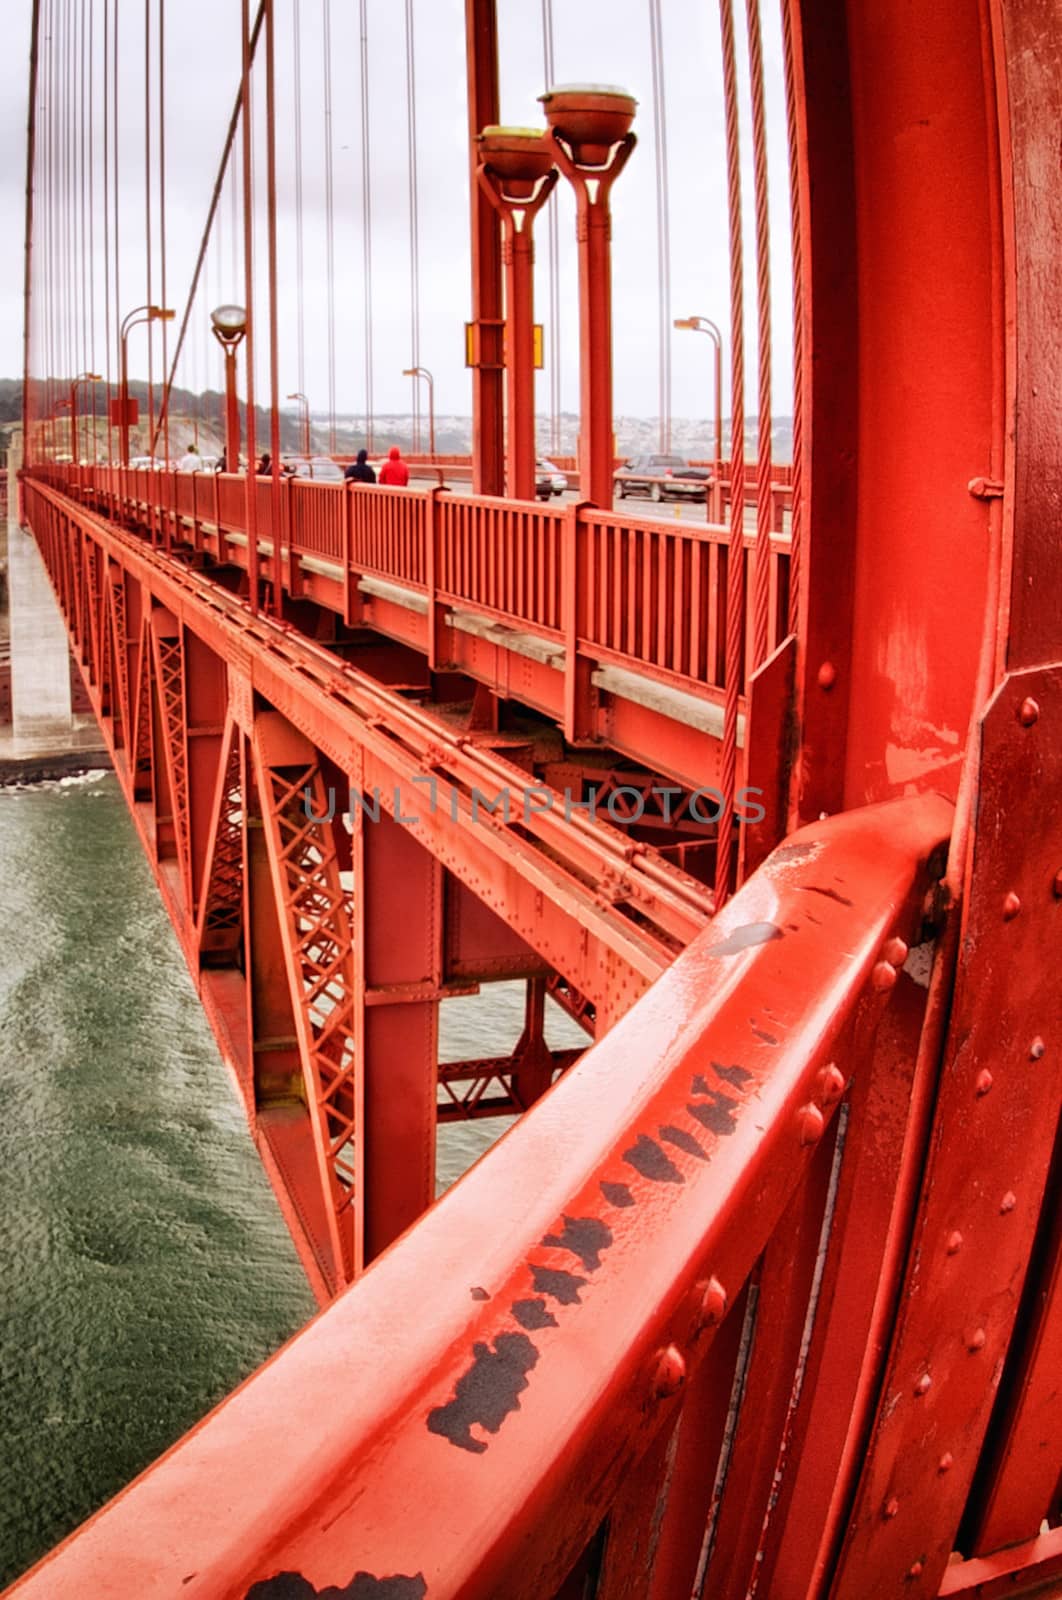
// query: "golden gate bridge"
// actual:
[[759, 1295]]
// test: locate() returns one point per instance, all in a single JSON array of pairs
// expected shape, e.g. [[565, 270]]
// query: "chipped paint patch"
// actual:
[[485, 1394], [747, 937], [362, 1586]]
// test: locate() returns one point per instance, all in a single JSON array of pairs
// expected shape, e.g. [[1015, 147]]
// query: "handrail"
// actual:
[[459, 1422], [647, 593]]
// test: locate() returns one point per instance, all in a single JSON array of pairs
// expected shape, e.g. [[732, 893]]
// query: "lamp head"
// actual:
[[590, 117], [230, 323], [517, 156]]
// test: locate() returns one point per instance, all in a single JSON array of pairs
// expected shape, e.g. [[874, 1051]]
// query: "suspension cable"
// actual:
[[330, 226], [663, 224], [300, 301], [762, 586], [366, 223], [414, 221], [552, 252], [735, 599], [796, 530]]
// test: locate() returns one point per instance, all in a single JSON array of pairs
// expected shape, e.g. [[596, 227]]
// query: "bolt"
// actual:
[[896, 952], [1037, 1049], [984, 1082], [669, 1372], [1008, 1202], [884, 976], [924, 1384], [946, 1462], [810, 1123], [713, 1303], [831, 1084], [891, 1509], [1028, 712], [1056, 887], [976, 1341], [915, 1570], [1011, 906], [827, 675], [954, 1243]]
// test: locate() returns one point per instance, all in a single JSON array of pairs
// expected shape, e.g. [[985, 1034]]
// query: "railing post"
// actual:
[[352, 607], [578, 694], [432, 568]]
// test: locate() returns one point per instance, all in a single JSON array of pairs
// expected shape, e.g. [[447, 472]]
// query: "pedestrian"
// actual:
[[265, 466], [360, 471], [191, 461], [394, 469]]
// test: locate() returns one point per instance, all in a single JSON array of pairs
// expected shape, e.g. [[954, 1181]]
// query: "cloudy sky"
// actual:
[[322, 345]]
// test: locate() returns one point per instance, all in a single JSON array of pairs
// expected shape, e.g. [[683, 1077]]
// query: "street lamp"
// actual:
[[422, 372], [229, 326], [590, 139], [517, 174], [131, 320], [706, 325], [82, 377], [305, 421]]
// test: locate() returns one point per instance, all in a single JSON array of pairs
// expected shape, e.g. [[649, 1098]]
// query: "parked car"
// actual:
[[549, 480], [662, 477]]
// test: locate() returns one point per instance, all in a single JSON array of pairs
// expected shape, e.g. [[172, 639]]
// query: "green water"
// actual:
[[144, 1267]]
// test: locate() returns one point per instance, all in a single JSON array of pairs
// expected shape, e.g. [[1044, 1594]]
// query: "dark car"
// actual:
[[662, 477]]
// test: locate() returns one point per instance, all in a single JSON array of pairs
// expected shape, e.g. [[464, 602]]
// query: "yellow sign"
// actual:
[[470, 346]]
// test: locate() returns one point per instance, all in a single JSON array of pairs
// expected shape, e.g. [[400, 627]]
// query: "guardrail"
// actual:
[[637, 591], [596, 1372]]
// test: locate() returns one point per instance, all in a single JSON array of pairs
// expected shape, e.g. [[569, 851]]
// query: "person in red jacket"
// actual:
[[394, 469]]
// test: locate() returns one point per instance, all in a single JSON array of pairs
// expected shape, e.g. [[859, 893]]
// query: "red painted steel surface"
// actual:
[[480, 1454]]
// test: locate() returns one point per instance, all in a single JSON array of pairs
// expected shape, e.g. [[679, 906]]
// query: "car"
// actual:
[[662, 477], [321, 468], [549, 480]]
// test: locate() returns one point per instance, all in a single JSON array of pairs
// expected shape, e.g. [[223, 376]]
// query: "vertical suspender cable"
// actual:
[[735, 592], [109, 368], [29, 309], [164, 414], [83, 146], [92, 226], [300, 261], [762, 584], [414, 219], [271, 221], [248, 289], [663, 224], [330, 226], [115, 138], [366, 221], [553, 253], [147, 216], [796, 553]]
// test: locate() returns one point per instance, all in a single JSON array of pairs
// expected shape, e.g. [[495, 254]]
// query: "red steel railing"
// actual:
[[645, 592]]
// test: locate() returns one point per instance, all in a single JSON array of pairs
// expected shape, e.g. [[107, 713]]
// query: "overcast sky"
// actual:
[[605, 41]]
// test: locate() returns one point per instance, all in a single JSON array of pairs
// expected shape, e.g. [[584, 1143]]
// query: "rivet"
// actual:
[[669, 1372], [1008, 1202], [976, 1341], [1037, 1049], [883, 976], [946, 1462], [915, 1570], [831, 1084], [713, 1303], [810, 1123], [827, 675], [1028, 712], [924, 1384], [891, 1509], [896, 952], [1011, 906], [954, 1243], [984, 1082], [1056, 887]]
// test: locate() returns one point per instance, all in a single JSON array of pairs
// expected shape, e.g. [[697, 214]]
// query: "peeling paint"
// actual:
[[485, 1394], [647, 1158], [585, 1237]]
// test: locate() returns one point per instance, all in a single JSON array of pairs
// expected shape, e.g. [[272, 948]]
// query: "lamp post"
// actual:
[[706, 325], [82, 377], [131, 320], [516, 172], [422, 372], [229, 326], [590, 140], [298, 395]]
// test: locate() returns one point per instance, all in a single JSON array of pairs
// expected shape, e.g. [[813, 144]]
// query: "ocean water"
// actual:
[[144, 1266]]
